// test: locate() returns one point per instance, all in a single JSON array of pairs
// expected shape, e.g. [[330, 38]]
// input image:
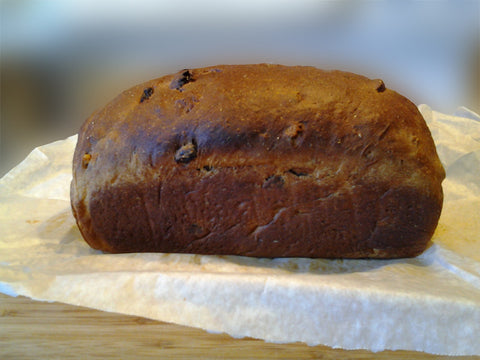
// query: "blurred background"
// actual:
[[60, 60]]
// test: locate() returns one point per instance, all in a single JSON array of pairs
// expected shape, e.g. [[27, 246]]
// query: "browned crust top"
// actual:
[[257, 109]]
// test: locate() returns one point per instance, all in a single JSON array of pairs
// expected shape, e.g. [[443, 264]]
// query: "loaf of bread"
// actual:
[[258, 160]]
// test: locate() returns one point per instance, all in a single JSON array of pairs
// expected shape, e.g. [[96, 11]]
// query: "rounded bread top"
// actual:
[[248, 115]]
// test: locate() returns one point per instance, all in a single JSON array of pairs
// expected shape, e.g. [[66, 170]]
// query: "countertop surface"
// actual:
[[32, 329]]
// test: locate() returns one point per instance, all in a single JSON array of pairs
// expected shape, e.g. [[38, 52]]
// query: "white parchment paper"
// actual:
[[430, 303]]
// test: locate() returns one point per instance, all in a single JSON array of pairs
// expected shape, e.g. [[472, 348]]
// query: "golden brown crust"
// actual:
[[258, 160]]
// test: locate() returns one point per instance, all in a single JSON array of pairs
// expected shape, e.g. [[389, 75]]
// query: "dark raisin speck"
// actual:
[[186, 153], [183, 78], [380, 86], [147, 93], [298, 172]]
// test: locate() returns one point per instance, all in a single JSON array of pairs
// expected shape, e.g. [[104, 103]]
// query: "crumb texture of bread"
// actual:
[[258, 160]]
